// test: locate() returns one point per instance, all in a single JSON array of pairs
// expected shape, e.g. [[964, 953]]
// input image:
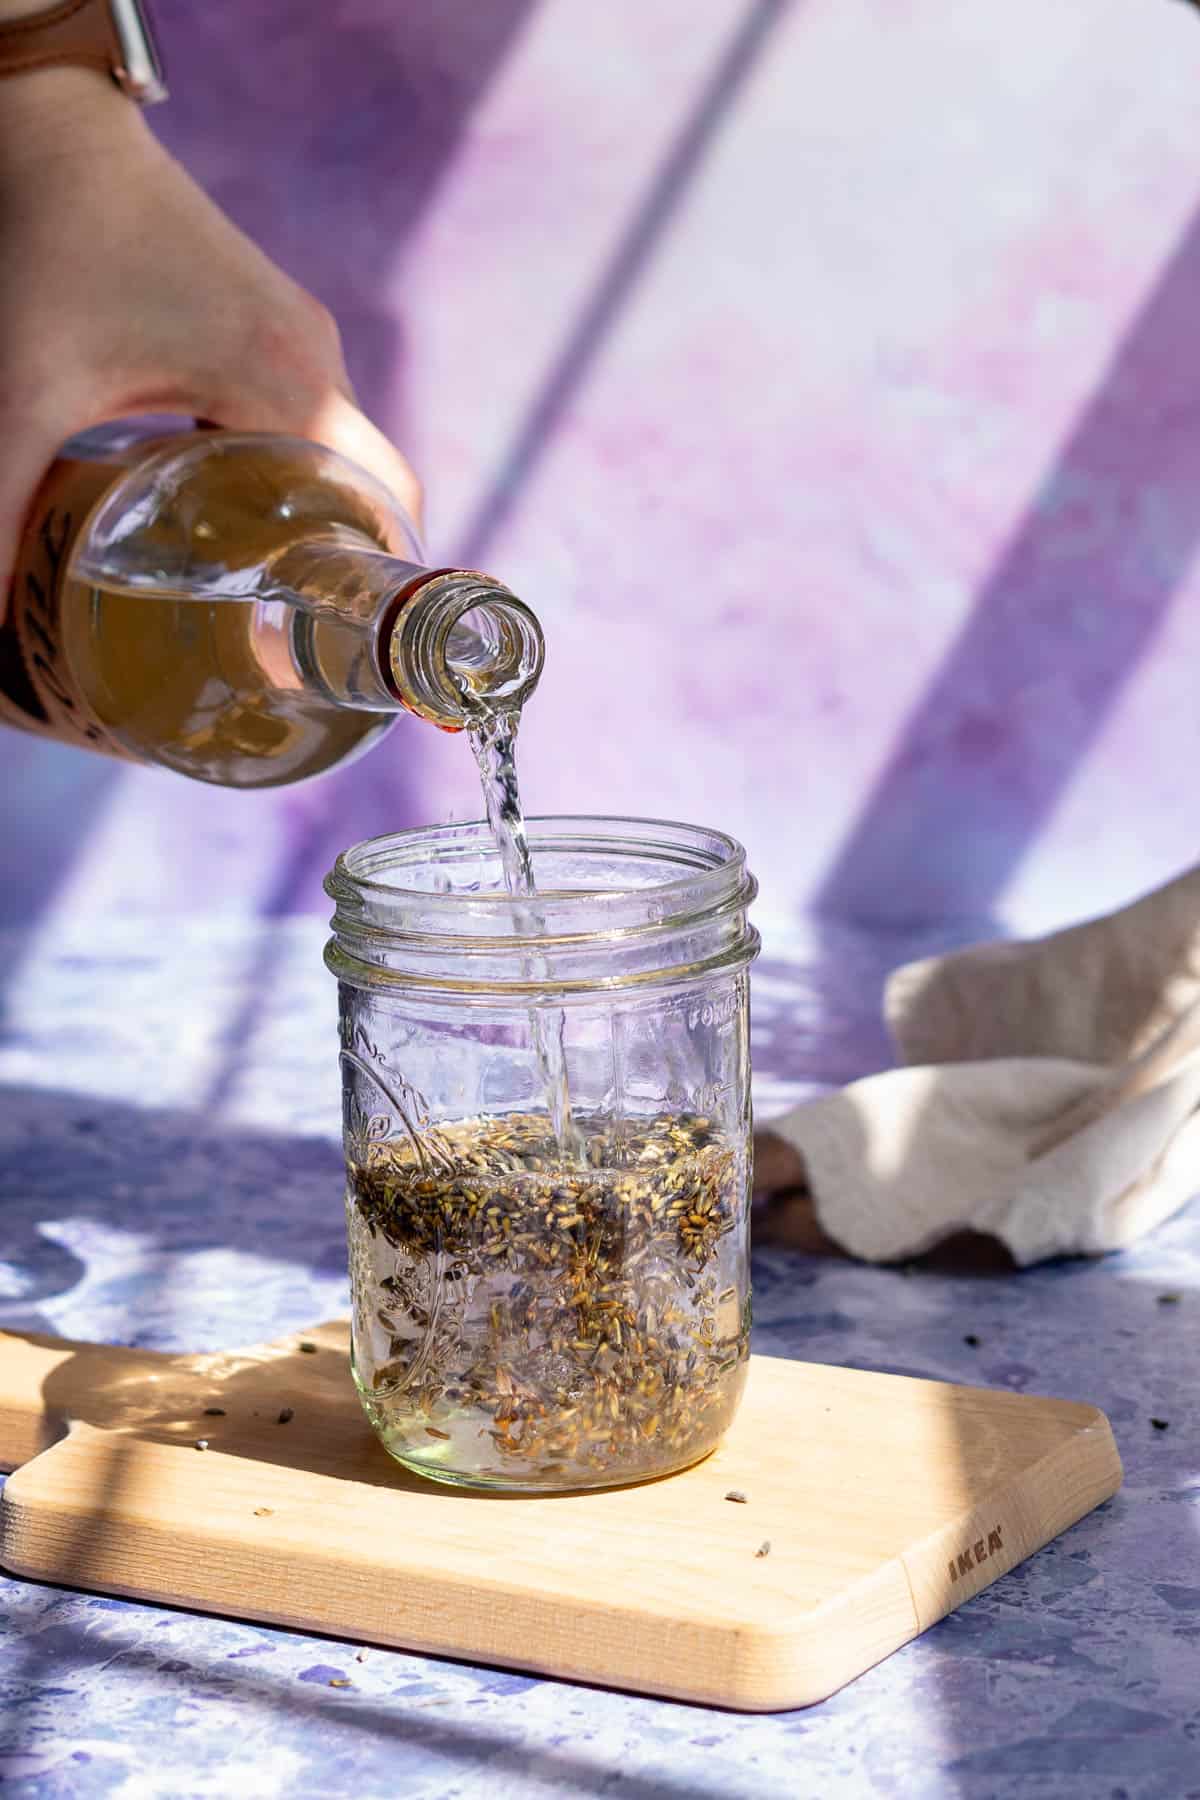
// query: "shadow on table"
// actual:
[[392, 1721], [158, 1185]]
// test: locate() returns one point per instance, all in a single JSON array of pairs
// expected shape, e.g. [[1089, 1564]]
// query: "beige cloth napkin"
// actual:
[[1051, 1096]]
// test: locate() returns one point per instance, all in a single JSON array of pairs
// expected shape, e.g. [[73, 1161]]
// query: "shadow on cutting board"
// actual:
[[270, 1403]]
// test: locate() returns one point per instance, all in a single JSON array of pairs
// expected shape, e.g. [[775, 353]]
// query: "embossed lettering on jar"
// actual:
[[531, 1310]]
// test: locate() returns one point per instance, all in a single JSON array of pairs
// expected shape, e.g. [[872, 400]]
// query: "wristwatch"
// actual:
[[113, 36]]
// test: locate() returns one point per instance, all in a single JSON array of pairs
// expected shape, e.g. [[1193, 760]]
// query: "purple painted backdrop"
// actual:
[[824, 374]]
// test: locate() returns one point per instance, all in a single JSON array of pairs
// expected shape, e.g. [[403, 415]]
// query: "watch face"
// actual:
[[143, 77]]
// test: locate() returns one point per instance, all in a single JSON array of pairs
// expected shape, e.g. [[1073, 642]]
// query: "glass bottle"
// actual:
[[530, 1313], [243, 608]]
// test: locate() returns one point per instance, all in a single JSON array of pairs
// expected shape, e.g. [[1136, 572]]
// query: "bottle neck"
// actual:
[[376, 633]]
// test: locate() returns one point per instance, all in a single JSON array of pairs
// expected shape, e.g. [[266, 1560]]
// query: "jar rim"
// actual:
[[665, 901], [709, 852]]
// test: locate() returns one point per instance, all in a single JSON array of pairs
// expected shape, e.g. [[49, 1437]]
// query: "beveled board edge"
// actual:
[[741, 1663]]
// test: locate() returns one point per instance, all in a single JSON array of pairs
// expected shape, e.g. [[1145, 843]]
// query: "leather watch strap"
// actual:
[[75, 31]]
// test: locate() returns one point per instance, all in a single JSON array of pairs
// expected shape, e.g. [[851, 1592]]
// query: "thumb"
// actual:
[[328, 417], [338, 423]]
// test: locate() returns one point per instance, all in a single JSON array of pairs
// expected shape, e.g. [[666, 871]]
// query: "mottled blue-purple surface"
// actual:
[[170, 1176], [825, 374]]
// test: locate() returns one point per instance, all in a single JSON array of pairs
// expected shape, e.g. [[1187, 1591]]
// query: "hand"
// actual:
[[124, 289]]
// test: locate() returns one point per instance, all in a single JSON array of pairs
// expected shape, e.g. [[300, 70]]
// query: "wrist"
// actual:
[[62, 110], [85, 55]]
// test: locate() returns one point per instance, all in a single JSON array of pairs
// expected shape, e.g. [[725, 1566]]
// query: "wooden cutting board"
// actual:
[[874, 1504]]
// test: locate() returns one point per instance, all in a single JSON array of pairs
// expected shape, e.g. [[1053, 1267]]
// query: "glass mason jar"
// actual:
[[533, 1309]]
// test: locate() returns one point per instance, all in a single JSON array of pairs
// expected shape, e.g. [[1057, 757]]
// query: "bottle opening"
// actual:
[[463, 649], [492, 655]]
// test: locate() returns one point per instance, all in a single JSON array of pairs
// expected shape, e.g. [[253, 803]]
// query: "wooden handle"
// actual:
[[45, 1380], [48, 1382]]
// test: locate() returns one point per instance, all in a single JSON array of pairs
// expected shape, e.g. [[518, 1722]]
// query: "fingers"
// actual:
[[288, 374], [306, 397], [328, 417], [337, 422], [30, 448], [179, 312]]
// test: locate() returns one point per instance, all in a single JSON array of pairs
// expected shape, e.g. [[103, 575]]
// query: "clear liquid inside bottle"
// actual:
[[209, 688], [244, 609], [177, 634]]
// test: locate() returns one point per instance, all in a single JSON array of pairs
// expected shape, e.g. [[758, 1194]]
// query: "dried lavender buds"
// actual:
[[524, 1323]]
